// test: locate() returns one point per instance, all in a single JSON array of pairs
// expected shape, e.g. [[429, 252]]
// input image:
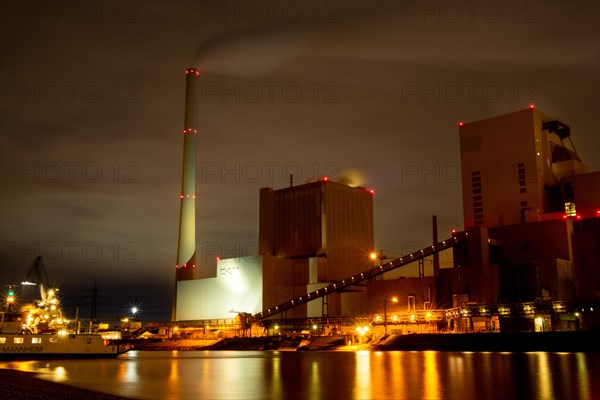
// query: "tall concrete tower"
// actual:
[[186, 246]]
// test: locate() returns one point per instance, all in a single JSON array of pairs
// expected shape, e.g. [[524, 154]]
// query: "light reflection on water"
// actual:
[[333, 375]]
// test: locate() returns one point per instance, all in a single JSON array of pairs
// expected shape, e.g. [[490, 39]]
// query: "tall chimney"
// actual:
[[186, 246]]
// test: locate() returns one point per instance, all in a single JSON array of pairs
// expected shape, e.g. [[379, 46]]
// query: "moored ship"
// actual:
[[31, 346], [39, 330]]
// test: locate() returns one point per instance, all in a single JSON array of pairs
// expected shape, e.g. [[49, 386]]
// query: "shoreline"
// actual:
[[565, 341], [25, 385]]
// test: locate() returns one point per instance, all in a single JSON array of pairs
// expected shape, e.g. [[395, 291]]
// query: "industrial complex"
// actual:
[[528, 258]]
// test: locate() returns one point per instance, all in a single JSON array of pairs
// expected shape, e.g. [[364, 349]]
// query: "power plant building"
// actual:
[[521, 167], [311, 235], [531, 214]]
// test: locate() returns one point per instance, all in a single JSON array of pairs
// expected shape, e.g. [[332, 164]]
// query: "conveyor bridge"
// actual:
[[363, 276]]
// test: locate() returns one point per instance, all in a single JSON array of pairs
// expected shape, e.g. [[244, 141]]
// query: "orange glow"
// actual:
[[373, 256]]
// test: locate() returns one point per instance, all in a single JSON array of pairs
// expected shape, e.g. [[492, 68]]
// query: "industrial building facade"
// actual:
[[532, 216], [532, 213], [311, 235], [525, 185], [521, 167]]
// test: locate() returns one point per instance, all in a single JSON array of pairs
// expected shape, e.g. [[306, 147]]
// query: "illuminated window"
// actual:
[[2, 340], [539, 324], [18, 340], [570, 209], [411, 303], [36, 340], [52, 340]]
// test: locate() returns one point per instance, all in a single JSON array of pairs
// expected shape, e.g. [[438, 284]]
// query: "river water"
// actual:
[[331, 375]]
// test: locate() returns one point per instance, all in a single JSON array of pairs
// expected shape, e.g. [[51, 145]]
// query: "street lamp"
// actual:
[[394, 300]]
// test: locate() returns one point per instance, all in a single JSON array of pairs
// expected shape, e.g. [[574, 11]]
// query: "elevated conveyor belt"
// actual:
[[363, 276]]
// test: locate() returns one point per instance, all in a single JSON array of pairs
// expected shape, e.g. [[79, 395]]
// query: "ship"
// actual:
[[59, 345], [39, 330]]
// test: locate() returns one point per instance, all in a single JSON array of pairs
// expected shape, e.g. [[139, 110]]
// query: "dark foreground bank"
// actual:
[[25, 386]]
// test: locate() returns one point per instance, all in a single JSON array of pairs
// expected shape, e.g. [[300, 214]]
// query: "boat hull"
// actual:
[[54, 346]]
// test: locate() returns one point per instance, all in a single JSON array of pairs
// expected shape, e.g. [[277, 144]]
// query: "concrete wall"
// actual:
[[237, 286]]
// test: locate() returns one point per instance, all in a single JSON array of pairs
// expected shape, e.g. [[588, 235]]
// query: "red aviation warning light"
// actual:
[[532, 106], [192, 71], [461, 123]]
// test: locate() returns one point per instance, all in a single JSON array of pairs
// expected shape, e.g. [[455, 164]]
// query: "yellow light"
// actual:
[[413, 317], [428, 315], [51, 292], [175, 329], [125, 320], [394, 299], [314, 327], [276, 327], [373, 256], [10, 299]]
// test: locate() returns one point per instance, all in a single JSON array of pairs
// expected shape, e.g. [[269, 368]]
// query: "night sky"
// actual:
[[366, 92]]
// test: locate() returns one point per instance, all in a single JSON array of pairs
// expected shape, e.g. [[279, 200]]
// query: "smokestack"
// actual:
[[186, 246]]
